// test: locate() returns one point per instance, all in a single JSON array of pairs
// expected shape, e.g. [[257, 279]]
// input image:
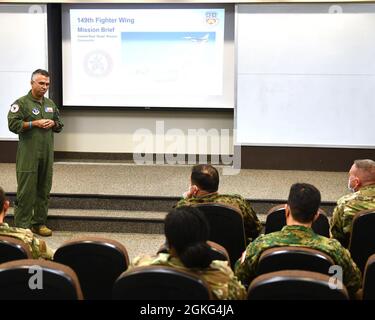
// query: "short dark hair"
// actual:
[[39, 71], [304, 201], [2, 199], [206, 177], [187, 231]]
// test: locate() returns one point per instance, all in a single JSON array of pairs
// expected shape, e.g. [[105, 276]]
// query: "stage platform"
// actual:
[[101, 196]]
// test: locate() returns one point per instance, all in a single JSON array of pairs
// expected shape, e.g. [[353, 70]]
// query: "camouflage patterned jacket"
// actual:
[[252, 224], [219, 276], [38, 247], [300, 236], [347, 207]]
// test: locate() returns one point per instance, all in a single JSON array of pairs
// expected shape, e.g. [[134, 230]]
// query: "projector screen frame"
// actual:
[[57, 63]]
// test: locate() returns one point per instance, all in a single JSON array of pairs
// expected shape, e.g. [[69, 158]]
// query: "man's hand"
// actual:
[[44, 123], [193, 190]]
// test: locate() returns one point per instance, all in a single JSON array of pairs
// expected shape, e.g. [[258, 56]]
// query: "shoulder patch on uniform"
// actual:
[[14, 108]]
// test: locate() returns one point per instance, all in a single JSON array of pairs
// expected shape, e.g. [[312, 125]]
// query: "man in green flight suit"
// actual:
[[35, 119]]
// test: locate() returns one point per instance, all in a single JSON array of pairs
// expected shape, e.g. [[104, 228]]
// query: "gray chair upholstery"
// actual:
[[13, 249], [160, 283], [298, 258], [368, 287], [218, 252], [226, 228], [275, 221], [97, 262], [295, 285], [32, 279], [362, 238]]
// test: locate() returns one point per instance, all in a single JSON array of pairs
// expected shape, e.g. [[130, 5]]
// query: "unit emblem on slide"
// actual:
[[211, 18], [97, 63]]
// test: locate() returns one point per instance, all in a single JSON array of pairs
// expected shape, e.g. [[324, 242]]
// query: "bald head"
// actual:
[[362, 173], [366, 170]]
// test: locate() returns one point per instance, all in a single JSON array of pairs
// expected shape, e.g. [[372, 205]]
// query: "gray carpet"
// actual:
[[165, 180]]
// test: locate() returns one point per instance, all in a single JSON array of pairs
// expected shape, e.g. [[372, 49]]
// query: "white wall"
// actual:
[[23, 38], [113, 131]]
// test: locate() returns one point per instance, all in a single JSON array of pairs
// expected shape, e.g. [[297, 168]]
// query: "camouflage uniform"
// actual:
[[347, 207], [37, 246], [219, 276], [299, 236], [251, 222]]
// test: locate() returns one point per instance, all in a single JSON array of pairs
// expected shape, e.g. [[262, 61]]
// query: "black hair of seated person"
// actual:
[[206, 177], [187, 231], [304, 201]]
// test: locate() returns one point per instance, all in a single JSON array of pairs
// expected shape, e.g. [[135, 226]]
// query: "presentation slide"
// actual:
[[145, 58]]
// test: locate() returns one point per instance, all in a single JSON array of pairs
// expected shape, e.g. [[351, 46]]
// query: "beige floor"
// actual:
[[166, 180]]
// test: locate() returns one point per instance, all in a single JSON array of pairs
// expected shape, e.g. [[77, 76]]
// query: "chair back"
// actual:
[[226, 228], [160, 283], [368, 286], [32, 279], [362, 238], [294, 258], [295, 285], [97, 262], [275, 221], [13, 249], [217, 252]]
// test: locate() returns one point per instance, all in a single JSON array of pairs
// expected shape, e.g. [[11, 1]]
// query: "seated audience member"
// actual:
[[38, 247], [186, 231], [300, 211], [362, 184], [204, 184]]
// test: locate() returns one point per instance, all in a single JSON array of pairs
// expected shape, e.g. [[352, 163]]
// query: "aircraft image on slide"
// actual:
[[203, 39]]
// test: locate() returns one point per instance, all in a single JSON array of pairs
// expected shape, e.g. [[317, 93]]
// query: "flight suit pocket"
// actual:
[[48, 112]]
